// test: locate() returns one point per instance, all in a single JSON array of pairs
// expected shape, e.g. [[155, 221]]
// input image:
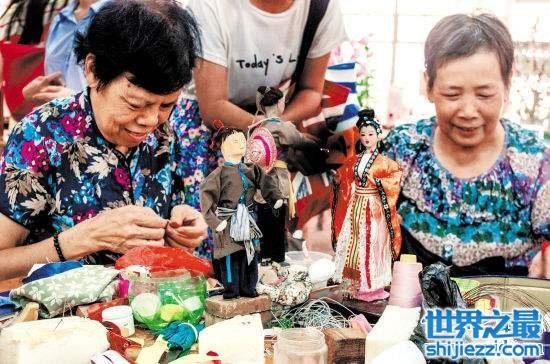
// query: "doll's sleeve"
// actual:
[[287, 135], [391, 182], [340, 195], [209, 197], [267, 185], [391, 179]]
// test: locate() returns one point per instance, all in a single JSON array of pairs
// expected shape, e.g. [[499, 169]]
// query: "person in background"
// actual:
[[27, 21], [93, 175], [247, 44], [475, 191], [23, 24], [63, 75]]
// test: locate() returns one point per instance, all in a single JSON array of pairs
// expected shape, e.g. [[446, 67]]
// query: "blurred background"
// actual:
[[388, 44]]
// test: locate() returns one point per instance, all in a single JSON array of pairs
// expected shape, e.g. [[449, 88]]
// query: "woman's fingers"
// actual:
[[177, 244], [183, 240], [134, 243], [191, 231], [140, 232], [147, 218]]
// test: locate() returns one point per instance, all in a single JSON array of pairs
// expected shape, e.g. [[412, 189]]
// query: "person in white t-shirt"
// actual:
[[247, 44]]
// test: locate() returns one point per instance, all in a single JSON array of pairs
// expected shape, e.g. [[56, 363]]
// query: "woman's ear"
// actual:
[[429, 91], [89, 71]]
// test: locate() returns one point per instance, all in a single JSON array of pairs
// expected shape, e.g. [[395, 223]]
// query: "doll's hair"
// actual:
[[221, 134], [366, 118], [268, 96]]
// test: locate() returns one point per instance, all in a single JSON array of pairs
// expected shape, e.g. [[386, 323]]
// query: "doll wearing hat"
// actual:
[[365, 218], [226, 197], [269, 145]]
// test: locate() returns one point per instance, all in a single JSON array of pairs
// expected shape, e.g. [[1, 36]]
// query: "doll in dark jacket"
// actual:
[[226, 197]]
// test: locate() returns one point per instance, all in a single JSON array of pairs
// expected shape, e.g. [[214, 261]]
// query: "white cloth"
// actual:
[[259, 48], [363, 163]]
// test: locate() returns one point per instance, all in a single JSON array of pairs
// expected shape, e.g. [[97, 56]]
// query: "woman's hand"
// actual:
[[119, 230], [540, 266], [46, 88], [186, 229]]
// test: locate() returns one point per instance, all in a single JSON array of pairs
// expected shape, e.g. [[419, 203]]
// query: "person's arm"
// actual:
[[117, 230], [211, 90], [17, 260], [306, 103]]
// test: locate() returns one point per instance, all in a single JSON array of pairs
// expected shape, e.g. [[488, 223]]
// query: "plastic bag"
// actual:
[[438, 288], [162, 259]]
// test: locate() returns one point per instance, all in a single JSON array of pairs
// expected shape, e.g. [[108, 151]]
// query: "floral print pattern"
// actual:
[[58, 170], [61, 292], [501, 212], [197, 159]]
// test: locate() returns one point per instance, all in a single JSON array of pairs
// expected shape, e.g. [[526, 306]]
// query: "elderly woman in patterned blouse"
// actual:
[[93, 175], [476, 187]]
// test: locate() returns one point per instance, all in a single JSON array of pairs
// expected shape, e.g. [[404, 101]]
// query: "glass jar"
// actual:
[[300, 346]]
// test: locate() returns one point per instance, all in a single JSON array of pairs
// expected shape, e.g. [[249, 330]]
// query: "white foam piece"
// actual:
[[72, 340], [238, 340], [394, 326]]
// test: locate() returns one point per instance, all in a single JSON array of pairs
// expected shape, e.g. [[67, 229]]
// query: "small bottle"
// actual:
[[122, 317]]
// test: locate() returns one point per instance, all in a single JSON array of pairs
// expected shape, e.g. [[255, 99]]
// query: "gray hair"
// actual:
[[461, 35]]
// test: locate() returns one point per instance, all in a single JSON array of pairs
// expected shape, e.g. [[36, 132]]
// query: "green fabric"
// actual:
[[60, 293]]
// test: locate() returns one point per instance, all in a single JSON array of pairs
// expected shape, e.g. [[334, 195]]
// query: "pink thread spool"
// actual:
[[405, 289]]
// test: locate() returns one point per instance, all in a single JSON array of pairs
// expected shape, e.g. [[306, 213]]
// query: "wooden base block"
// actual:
[[217, 306], [212, 319], [345, 346]]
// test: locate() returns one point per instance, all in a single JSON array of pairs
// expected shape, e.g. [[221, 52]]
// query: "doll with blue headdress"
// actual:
[[365, 220]]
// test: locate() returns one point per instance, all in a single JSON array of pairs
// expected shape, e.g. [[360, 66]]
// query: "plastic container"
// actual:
[[158, 301], [122, 317], [300, 346]]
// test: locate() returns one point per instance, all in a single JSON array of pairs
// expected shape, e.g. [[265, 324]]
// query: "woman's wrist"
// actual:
[[76, 244]]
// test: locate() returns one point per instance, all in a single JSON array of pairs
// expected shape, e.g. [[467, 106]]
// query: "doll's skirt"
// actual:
[[363, 253]]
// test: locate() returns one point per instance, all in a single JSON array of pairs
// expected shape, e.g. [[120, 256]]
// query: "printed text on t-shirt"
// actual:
[[259, 63]]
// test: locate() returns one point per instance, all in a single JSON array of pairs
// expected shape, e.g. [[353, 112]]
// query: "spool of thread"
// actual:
[[405, 289], [408, 258]]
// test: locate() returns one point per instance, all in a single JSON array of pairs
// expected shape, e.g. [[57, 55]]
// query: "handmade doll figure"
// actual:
[[268, 147], [365, 219], [226, 198]]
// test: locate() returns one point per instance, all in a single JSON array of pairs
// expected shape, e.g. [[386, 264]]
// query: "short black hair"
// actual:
[[221, 134], [156, 41]]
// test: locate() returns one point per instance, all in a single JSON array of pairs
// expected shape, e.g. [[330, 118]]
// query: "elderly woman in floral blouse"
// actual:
[[476, 187], [93, 175]]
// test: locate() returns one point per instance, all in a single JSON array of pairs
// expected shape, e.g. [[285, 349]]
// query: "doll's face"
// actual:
[[234, 147], [368, 137]]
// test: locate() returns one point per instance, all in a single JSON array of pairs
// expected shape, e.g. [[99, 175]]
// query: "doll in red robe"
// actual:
[[365, 220]]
